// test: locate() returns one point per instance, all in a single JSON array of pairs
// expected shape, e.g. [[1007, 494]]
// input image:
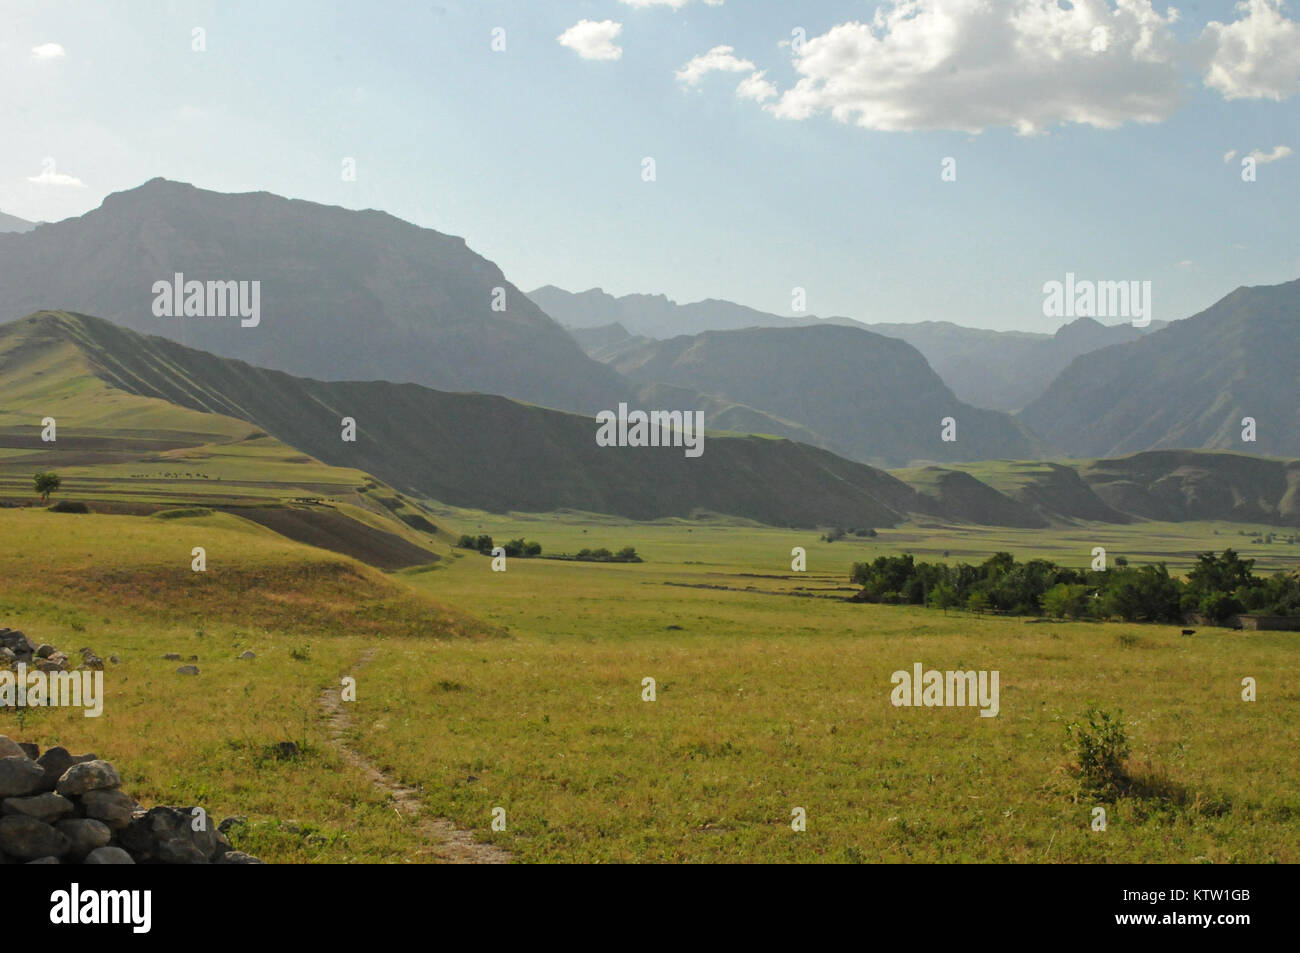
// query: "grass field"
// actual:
[[523, 690]]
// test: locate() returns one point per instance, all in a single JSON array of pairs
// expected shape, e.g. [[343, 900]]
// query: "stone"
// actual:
[[50, 665], [285, 750], [27, 838], [172, 657], [84, 835], [188, 670], [10, 749], [56, 762], [164, 835], [19, 776], [112, 807], [30, 749], [115, 660], [227, 823], [247, 655], [236, 857], [45, 650], [44, 860], [88, 776], [7, 655], [46, 807], [108, 855]]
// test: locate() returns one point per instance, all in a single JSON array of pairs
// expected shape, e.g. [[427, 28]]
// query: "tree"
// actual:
[[47, 483], [977, 601], [1064, 600], [944, 596]]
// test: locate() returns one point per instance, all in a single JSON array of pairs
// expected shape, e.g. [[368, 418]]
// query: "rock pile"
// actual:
[[16, 647], [59, 809]]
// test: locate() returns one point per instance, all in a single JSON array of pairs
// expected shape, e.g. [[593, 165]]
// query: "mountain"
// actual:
[[344, 294], [1005, 370], [654, 316], [872, 398], [995, 370], [471, 450], [147, 419], [1187, 386], [11, 223]]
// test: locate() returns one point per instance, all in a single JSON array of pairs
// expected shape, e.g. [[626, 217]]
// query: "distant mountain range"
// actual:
[[490, 452], [343, 294], [995, 370], [865, 396], [11, 223], [1188, 385]]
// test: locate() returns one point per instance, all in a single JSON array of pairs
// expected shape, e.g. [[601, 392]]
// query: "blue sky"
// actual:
[[828, 179]]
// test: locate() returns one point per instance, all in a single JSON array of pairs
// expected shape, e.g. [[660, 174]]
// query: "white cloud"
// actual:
[[757, 88], [971, 65], [50, 177], [593, 40], [1229, 156], [673, 4], [48, 51], [718, 59], [1257, 56], [1279, 152]]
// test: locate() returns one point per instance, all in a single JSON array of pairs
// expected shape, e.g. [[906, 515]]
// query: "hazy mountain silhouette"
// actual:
[[995, 370], [344, 294], [1188, 385], [11, 223], [872, 398]]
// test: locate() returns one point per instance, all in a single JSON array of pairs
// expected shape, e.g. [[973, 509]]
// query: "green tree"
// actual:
[[47, 483], [943, 596]]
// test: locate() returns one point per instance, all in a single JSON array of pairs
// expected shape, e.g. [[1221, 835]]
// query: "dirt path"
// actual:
[[445, 842]]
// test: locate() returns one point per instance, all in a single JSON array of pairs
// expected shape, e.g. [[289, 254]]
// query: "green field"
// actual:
[[523, 690]]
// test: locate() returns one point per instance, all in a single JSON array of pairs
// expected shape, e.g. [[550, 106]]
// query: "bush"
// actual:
[[1101, 746], [67, 506]]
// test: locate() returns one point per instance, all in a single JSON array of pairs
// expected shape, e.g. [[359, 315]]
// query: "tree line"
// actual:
[[1217, 588]]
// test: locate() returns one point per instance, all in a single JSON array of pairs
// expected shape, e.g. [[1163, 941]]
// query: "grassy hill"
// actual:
[[146, 420], [125, 452]]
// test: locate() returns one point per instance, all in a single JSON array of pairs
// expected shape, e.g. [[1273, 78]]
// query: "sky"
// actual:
[[794, 146]]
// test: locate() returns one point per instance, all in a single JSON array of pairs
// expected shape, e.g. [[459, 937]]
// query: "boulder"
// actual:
[[47, 807], [236, 857], [84, 835], [108, 855], [88, 776], [246, 655], [19, 776], [55, 763], [27, 838], [10, 749], [188, 670], [164, 835], [112, 807]]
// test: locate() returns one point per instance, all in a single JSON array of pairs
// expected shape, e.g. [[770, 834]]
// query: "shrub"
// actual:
[[1101, 746], [67, 506]]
